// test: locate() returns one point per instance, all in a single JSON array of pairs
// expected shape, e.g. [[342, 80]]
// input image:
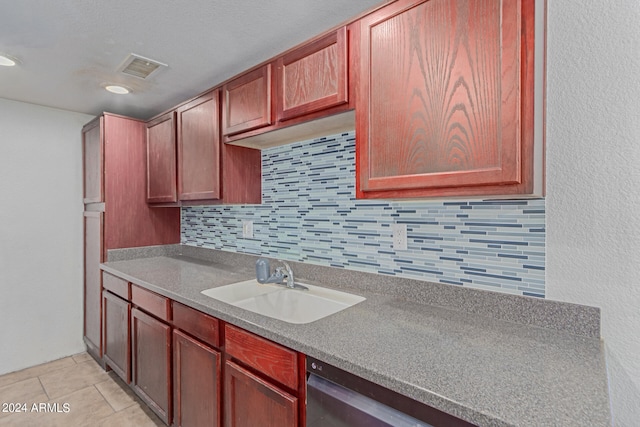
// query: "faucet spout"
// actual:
[[288, 275], [291, 282]]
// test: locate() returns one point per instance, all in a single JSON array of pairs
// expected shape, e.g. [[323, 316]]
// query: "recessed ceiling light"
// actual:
[[7, 60], [120, 90]]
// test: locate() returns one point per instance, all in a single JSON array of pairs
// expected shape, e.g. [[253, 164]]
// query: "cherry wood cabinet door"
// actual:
[[199, 165], [246, 102], [93, 256], [161, 160], [116, 336], [445, 99], [151, 362], [93, 161], [313, 77], [129, 220], [197, 382], [251, 401]]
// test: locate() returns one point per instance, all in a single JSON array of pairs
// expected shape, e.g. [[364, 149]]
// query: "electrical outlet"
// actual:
[[247, 229], [399, 236]]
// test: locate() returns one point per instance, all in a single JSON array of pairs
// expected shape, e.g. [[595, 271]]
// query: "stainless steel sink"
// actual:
[[279, 302]]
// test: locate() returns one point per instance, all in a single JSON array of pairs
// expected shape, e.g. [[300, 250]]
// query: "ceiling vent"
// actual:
[[139, 66]]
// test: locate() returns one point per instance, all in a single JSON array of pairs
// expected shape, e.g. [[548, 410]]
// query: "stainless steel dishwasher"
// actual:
[[336, 398]]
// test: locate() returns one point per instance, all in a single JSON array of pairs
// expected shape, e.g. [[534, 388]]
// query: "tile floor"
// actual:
[[79, 393]]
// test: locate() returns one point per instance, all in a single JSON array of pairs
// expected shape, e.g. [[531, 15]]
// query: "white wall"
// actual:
[[593, 177], [40, 234]]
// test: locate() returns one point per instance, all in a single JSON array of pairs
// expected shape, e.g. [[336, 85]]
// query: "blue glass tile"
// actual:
[[531, 294], [445, 258], [513, 256], [421, 270], [473, 269], [495, 276], [450, 282], [491, 224]]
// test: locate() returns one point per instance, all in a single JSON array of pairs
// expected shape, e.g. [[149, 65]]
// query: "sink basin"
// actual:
[[279, 302]]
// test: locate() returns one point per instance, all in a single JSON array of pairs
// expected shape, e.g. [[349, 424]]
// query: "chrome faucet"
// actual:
[[291, 282], [288, 275]]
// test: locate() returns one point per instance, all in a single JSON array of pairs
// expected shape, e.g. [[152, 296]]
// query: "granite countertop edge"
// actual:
[[445, 376]]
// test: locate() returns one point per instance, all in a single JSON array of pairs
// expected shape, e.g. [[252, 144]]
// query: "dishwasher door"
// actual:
[[332, 405]]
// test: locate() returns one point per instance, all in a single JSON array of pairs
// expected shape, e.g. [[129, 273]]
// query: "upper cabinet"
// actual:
[[187, 163], [93, 165], [445, 104], [199, 165], [247, 102], [161, 160], [313, 77], [443, 93], [301, 94]]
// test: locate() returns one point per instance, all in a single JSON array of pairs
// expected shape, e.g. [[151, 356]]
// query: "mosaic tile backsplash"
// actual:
[[309, 213]]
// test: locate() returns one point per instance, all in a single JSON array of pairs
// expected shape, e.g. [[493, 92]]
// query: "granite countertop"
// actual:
[[487, 371]]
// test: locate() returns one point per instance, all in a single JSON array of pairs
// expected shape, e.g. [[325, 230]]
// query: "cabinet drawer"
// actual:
[[116, 285], [273, 360], [151, 302], [198, 324]]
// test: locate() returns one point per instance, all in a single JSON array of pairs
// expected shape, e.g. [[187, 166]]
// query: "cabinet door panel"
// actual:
[[441, 104], [161, 160], [151, 362], [197, 382], [93, 161], [199, 149], [93, 256], [313, 77], [117, 350], [247, 102], [251, 401]]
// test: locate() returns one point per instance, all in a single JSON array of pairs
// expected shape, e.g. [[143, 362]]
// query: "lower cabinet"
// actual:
[[196, 371], [252, 401], [264, 382], [93, 255], [151, 362], [116, 334]]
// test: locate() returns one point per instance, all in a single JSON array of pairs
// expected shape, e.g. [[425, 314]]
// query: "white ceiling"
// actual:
[[68, 48]]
